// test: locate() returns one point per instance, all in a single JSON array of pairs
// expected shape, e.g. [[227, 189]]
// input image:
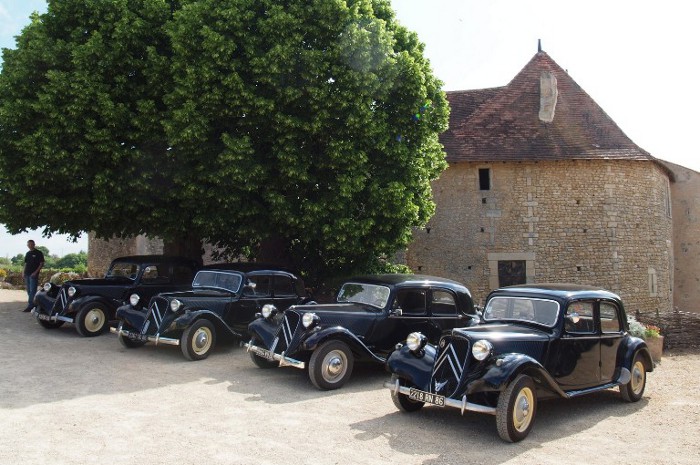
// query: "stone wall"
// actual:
[[101, 252], [602, 222], [685, 192]]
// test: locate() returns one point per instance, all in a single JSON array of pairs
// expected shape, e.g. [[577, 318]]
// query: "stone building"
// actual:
[[543, 186]]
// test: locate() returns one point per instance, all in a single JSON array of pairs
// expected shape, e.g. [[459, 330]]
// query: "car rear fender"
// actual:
[[339, 333], [416, 369], [633, 346], [502, 370]]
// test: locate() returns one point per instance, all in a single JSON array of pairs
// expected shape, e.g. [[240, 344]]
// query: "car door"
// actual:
[[610, 339], [575, 357], [256, 292], [284, 292], [442, 310]]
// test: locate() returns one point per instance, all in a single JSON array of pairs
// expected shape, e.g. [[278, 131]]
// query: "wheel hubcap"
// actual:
[[201, 341], [522, 413], [335, 365], [637, 377], [94, 320]]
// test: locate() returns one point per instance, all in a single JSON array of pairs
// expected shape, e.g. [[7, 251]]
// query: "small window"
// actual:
[[258, 286], [609, 322], [284, 287], [484, 179], [579, 318], [443, 303], [412, 302]]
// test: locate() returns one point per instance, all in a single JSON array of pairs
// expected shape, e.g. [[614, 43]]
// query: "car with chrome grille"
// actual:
[[222, 301], [535, 342], [370, 316], [90, 304]]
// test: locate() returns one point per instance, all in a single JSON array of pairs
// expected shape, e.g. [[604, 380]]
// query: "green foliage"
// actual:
[[309, 124], [18, 259], [72, 260], [5, 261]]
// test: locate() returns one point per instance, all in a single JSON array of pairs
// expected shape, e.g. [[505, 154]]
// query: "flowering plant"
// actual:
[[639, 329]]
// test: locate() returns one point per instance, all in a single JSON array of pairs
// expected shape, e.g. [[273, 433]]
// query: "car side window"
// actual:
[[258, 286], [154, 274], [283, 287], [412, 301], [443, 303], [579, 318], [609, 319]]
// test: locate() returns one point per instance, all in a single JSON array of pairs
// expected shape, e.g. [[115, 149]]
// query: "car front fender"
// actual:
[[264, 330], [79, 303], [417, 369], [184, 320], [316, 337], [501, 370]]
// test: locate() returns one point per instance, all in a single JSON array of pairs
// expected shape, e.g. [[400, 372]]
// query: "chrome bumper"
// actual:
[[462, 404], [134, 336], [54, 318], [283, 360]]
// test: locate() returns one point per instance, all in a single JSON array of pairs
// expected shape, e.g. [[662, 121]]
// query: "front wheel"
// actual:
[[331, 365], [91, 320], [198, 340], [516, 410], [633, 390], [402, 401]]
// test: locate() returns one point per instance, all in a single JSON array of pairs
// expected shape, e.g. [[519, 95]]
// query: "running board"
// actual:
[[624, 378]]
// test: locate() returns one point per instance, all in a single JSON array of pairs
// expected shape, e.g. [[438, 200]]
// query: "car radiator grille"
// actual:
[[61, 302], [156, 311], [288, 335], [451, 362]]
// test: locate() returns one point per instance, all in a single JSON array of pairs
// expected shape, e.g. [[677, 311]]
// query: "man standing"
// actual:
[[33, 262]]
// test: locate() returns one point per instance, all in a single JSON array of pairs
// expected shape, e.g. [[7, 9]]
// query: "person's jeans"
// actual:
[[31, 282]]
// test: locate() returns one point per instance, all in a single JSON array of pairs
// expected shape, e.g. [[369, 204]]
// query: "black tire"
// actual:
[[516, 410], [331, 365], [198, 340], [402, 401], [634, 389], [258, 360], [92, 320], [129, 343], [50, 324]]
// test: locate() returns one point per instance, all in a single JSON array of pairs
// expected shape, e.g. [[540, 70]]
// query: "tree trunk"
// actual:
[[187, 246]]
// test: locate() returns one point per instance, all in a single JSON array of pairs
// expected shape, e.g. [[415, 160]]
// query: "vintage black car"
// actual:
[[91, 303], [537, 341], [223, 300], [372, 314]]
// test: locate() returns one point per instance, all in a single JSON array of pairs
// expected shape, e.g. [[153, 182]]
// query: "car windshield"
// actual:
[[220, 279], [371, 294], [123, 270], [540, 311]]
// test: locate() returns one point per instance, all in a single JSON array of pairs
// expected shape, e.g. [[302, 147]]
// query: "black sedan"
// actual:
[[224, 299], [537, 341], [372, 314], [91, 303]]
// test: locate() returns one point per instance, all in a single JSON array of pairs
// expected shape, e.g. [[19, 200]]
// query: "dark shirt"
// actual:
[[32, 260]]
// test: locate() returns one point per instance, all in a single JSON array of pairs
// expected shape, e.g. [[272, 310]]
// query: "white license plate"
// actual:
[[264, 353], [43, 316], [428, 398]]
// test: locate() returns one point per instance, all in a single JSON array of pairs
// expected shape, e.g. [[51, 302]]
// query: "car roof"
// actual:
[[397, 279], [560, 290], [247, 267]]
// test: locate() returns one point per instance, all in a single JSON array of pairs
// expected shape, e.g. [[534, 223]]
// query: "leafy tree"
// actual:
[[296, 131], [72, 260], [18, 259], [4, 261]]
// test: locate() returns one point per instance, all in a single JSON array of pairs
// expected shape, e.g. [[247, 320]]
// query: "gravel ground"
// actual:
[[65, 399]]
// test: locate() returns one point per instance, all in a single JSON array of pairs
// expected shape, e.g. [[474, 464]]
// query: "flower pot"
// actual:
[[656, 346]]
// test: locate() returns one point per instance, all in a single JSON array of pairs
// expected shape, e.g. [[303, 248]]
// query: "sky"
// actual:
[[634, 58]]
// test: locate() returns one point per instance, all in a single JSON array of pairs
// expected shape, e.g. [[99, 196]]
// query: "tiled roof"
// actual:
[[503, 124]]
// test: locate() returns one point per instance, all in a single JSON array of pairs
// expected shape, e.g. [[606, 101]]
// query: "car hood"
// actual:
[[116, 281], [198, 293], [502, 332], [350, 309]]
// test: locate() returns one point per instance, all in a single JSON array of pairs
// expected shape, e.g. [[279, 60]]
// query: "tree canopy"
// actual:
[[303, 129]]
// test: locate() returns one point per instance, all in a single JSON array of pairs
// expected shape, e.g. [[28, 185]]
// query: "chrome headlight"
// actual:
[[268, 310], [482, 349], [175, 305], [47, 287], [71, 291], [416, 341], [134, 299], [309, 320]]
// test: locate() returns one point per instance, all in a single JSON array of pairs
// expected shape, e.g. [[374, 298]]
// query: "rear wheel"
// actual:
[[516, 410], [331, 365], [402, 401], [91, 320], [633, 390], [198, 340]]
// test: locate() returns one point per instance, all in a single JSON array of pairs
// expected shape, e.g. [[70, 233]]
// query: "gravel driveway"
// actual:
[[65, 399]]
